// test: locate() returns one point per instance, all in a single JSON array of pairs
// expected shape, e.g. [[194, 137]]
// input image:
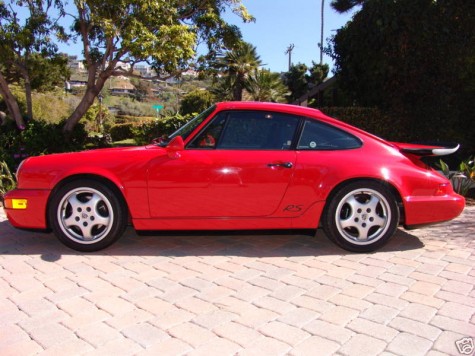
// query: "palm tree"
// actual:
[[237, 64], [264, 85], [222, 89]]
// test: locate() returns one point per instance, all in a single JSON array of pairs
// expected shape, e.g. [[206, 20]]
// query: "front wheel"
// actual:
[[86, 215], [361, 216]]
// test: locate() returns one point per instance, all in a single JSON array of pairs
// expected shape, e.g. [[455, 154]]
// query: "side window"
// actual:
[[319, 136], [209, 137], [258, 130]]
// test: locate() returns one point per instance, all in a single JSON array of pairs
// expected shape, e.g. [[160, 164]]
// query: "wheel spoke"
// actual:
[[363, 232], [353, 203], [75, 203], [70, 221], [372, 203]]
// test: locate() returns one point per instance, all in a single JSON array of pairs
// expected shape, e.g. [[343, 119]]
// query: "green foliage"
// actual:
[[127, 106], [163, 33], [26, 44], [318, 73], [48, 73], [7, 179], [264, 85], [237, 64], [39, 137], [148, 131], [372, 120], [345, 5], [414, 60], [121, 132], [51, 106], [196, 102], [296, 81], [464, 178]]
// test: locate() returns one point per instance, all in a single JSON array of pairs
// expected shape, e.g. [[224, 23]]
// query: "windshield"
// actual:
[[188, 128]]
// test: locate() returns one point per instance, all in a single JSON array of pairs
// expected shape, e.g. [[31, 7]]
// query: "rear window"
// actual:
[[319, 136]]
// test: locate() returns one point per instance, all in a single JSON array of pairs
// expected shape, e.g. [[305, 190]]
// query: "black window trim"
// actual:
[[311, 119], [292, 147]]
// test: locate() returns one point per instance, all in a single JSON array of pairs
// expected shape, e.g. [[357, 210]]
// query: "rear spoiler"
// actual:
[[425, 150]]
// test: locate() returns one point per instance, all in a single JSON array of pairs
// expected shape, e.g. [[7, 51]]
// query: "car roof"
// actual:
[[258, 105]]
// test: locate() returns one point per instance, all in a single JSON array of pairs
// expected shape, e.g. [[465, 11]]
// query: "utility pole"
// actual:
[[321, 32], [289, 52]]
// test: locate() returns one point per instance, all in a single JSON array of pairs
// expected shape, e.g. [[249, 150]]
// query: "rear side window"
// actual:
[[319, 136]]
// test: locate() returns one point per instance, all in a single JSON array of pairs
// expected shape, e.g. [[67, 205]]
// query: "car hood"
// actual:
[[43, 172]]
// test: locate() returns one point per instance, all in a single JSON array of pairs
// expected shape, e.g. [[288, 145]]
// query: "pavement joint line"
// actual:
[[182, 292]]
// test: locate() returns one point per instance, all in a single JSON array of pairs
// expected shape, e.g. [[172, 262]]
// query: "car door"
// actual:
[[239, 165]]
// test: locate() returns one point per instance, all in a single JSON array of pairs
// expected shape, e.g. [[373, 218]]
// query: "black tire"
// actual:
[[87, 215], [361, 216]]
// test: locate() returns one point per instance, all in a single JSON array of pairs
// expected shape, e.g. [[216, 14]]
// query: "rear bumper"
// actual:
[[34, 215], [426, 210]]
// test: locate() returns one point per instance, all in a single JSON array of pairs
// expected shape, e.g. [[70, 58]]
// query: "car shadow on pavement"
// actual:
[[176, 244]]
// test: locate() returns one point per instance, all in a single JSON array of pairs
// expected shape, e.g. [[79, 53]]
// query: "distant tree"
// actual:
[[264, 85], [143, 89], [237, 64], [48, 73], [116, 35], [296, 80], [318, 73], [196, 101], [222, 89], [24, 44]]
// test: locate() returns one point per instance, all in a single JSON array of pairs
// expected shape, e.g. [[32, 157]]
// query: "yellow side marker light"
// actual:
[[19, 204]]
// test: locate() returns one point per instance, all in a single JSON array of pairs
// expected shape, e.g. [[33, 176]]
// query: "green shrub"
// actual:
[[463, 179], [7, 180], [121, 132], [196, 101], [38, 138], [51, 106], [372, 120], [41, 137], [145, 133]]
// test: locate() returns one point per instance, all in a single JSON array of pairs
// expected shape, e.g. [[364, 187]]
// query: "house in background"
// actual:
[[121, 86]]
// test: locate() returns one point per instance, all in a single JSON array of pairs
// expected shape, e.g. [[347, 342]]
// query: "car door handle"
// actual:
[[281, 164]]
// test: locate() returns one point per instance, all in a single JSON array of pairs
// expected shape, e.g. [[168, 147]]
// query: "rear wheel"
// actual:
[[86, 215], [361, 216]]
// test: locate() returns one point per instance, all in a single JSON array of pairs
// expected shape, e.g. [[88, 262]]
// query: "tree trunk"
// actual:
[[23, 69], [87, 100], [29, 102], [12, 104], [238, 87]]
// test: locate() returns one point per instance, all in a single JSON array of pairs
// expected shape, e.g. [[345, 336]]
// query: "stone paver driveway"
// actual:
[[225, 294]]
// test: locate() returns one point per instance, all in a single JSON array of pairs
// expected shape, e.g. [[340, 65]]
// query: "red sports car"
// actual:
[[238, 166]]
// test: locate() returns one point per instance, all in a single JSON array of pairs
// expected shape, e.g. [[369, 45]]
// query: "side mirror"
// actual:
[[175, 146]]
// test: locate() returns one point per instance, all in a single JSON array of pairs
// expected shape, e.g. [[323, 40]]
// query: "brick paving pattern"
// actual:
[[235, 294]]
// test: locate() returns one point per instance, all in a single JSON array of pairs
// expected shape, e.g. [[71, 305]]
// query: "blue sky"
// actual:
[[278, 24], [282, 22]]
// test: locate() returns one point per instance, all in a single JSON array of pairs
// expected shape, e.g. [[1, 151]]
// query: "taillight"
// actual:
[[443, 189]]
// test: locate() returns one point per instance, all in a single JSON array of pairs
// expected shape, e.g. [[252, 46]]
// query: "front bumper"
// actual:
[[26, 208]]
